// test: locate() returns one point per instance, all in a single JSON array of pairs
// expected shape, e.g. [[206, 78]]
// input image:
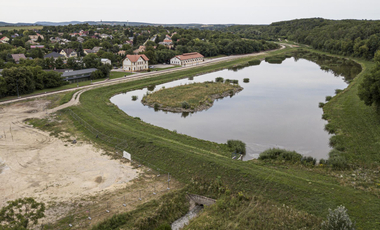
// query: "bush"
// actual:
[[321, 104], [309, 160], [134, 98], [337, 91], [328, 98], [185, 105], [237, 146], [254, 62], [337, 161], [325, 116], [330, 128], [338, 219], [280, 154], [235, 81], [246, 80], [219, 79]]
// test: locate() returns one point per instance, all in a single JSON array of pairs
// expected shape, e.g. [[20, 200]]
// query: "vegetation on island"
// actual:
[[190, 97]]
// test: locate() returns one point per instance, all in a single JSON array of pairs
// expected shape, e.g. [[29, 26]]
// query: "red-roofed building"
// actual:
[[134, 63], [187, 59], [4, 40]]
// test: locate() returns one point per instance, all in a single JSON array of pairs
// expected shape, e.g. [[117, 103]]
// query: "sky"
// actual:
[[182, 12]]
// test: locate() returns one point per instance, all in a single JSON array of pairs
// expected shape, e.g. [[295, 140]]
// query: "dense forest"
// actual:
[[359, 38]]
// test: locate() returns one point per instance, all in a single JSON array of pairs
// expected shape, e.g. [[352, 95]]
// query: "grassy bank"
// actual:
[[186, 157], [21, 28]]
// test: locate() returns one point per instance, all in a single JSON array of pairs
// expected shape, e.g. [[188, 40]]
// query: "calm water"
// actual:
[[277, 108]]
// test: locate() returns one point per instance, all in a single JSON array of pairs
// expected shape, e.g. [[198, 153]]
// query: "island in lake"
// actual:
[[191, 97]]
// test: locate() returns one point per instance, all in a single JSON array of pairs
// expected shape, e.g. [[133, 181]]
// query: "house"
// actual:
[[105, 61], [80, 39], [121, 52], [96, 49], [133, 63], [68, 53], [88, 51], [54, 55], [37, 46], [168, 43], [18, 57], [35, 37], [4, 40], [78, 75], [105, 36], [187, 59], [139, 50]]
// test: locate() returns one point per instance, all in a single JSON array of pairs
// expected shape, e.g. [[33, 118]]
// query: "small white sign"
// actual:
[[127, 155]]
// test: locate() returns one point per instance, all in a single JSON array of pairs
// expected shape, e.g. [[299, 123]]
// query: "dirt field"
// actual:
[[35, 164]]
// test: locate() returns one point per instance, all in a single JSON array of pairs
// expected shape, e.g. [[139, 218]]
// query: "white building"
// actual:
[[105, 61], [187, 59], [134, 63]]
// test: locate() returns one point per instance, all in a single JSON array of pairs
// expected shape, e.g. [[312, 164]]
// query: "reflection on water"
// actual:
[[277, 108]]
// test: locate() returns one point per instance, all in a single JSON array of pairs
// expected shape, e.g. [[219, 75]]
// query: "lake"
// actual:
[[277, 108]]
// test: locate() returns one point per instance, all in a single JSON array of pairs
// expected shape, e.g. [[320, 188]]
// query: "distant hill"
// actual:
[[45, 23]]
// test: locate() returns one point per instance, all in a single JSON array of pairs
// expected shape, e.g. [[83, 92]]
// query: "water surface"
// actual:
[[277, 108]]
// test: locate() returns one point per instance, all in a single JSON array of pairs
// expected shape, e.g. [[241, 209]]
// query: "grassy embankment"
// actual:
[[193, 97], [186, 157]]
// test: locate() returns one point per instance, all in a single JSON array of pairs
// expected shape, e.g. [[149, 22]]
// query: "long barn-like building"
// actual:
[[187, 59]]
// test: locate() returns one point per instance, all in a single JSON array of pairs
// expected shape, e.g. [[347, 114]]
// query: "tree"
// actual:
[[91, 61], [80, 51], [21, 212], [3, 87], [18, 78], [369, 89]]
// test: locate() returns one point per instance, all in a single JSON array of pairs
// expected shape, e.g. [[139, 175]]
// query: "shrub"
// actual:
[[321, 104], [235, 81], [330, 128], [328, 98], [254, 62], [309, 160], [185, 105], [134, 98], [338, 219], [337, 91], [246, 80], [237, 146], [219, 79], [337, 161], [325, 116], [156, 106], [280, 154]]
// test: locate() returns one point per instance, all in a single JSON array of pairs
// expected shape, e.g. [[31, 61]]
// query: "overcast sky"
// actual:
[[190, 11]]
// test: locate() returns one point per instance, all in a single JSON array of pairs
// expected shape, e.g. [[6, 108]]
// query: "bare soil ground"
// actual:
[[67, 177]]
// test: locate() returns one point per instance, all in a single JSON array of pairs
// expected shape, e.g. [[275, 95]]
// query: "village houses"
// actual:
[[35, 37], [68, 53], [134, 63], [187, 59], [4, 40]]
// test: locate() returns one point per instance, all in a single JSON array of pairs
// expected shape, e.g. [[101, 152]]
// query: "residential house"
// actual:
[[96, 49], [80, 39], [133, 63], [129, 42], [18, 57], [139, 50], [35, 37], [130, 38], [105, 61], [187, 59], [105, 36], [37, 46], [88, 51], [54, 55], [121, 52], [68, 53], [4, 40], [60, 34]]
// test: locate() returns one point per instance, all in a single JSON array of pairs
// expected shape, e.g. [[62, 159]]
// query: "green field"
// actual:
[[20, 27], [308, 191]]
